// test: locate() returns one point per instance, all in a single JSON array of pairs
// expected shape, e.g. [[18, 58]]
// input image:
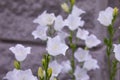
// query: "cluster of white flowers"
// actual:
[[56, 44]]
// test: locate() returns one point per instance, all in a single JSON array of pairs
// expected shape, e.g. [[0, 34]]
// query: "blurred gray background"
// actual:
[[16, 26]]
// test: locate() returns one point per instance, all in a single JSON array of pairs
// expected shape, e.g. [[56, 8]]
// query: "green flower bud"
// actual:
[[49, 71], [17, 64], [40, 73], [43, 62], [65, 7], [115, 13]]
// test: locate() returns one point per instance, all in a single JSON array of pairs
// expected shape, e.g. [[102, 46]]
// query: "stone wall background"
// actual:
[[16, 25]]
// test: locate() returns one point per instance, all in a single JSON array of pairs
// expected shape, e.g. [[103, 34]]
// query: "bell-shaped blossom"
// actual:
[[91, 64], [55, 46], [63, 35], [76, 11], [59, 23], [92, 41], [20, 75], [106, 16], [116, 50], [66, 66], [40, 32], [81, 74], [20, 52], [81, 55], [74, 22], [56, 68], [82, 34], [45, 19]]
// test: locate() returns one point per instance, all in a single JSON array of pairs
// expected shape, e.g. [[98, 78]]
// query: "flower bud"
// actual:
[[17, 64], [43, 62], [49, 71], [40, 73], [65, 7], [115, 13]]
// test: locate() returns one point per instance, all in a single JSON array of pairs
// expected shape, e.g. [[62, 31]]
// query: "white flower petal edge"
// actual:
[[45, 19], [74, 22], [81, 74], [81, 55], [66, 66], [40, 32], [20, 75], [91, 64], [105, 17], [55, 46], [92, 41], [76, 11], [82, 34], [20, 52], [59, 23], [117, 51], [56, 68]]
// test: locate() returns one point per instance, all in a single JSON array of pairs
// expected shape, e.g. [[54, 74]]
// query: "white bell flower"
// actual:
[[40, 32], [92, 41], [20, 52], [76, 11], [81, 55], [91, 64], [20, 75], [55, 46], [66, 66], [106, 16], [45, 19], [116, 50], [59, 23], [56, 68], [81, 74], [74, 22], [82, 34]]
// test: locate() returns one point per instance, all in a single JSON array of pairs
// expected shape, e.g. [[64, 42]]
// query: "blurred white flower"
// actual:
[[76, 11], [74, 22], [20, 75], [40, 32], [63, 35], [81, 55], [45, 19], [59, 23], [20, 51], [56, 68], [116, 50], [91, 64], [92, 41], [55, 46], [82, 34], [81, 74], [66, 66], [105, 17]]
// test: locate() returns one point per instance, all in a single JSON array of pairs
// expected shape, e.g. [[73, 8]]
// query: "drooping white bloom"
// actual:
[[55, 46], [105, 17], [92, 41], [63, 35], [20, 52], [81, 74], [40, 32], [56, 68], [82, 34], [20, 75], [45, 19], [81, 55], [117, 51], [74, 22], [59, 23], [66, 66], [91, 64], [76, 11]]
